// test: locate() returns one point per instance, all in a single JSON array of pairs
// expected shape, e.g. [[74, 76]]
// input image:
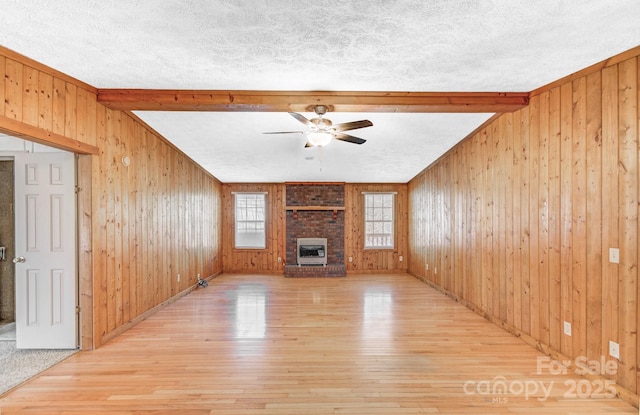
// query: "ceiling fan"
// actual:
[[322, 131]]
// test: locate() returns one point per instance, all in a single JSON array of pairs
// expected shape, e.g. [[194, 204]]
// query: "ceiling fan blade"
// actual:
[[301, 118], [348, 138], [352, 125], [283, 132]]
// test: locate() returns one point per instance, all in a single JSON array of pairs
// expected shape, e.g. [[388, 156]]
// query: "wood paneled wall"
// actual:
[[55, 109], [156, 219], [251, 260], [374, 259], [255, 260], [146, 223], [517, 220]]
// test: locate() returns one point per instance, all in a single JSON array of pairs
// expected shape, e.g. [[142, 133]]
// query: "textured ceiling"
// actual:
[[411, 45]]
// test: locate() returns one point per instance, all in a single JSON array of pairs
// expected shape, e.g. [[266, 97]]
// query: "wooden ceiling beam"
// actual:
[[303, 101]]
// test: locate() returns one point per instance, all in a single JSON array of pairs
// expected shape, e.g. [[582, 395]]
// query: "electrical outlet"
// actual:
[[279, 259], [350, 259], [400, 258], [614, 349], [198, 276], [567, 328], [435, 270], [614, 255], [178, 277], [426, 266]]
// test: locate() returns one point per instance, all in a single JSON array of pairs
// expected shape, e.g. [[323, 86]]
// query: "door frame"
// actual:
[[84, 257], [9, 158], [84, 254]]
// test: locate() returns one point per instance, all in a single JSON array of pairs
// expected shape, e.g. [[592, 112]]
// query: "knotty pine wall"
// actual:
[[155, 219], [375, 260], [37, 99], [139, 226], [517, 220], [253, 260]]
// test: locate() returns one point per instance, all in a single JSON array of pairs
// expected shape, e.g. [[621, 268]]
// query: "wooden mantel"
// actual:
[[295, 209]]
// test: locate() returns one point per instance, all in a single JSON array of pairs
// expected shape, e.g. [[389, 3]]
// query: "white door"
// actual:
[[45, 251]]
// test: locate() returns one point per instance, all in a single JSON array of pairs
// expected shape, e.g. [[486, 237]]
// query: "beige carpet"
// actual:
[[18, 366]]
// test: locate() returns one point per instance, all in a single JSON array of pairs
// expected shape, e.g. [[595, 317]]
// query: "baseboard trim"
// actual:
[[623, 393], [133, 322], [376, 271]]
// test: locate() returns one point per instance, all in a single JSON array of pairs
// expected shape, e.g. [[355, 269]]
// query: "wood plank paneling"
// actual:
[[131, 247], [143, 251], [30, 96], [525, 226], [85, 252], [534, 218], [565, 270], [59, 106], [571, 189], [13, 90], [99, 199], [543, 214], [554, 211], [255, 260], [594, 219], [578, 218], [35, 105], [507, 296], [45, 101], [110, 173], [365, 260], [628, 216], [518, 161], [70, 109]]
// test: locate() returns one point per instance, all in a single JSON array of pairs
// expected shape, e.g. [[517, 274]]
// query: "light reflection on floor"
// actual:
[[377, 318], [250, 315], [250, 320]]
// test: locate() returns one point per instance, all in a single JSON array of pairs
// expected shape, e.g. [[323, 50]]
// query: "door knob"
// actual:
[[18, 259]]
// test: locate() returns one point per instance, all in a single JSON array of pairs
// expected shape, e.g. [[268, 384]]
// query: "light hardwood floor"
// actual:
[[365, 344]]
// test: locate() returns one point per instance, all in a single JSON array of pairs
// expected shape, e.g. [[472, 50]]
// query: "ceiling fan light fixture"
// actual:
[[319, 138], [321, 131]]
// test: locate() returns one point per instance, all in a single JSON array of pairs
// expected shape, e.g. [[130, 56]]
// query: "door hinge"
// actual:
[[77, 189], [77, 309]]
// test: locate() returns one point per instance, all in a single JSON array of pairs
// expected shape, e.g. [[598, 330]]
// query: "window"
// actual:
[[250, 220], [378, 220]]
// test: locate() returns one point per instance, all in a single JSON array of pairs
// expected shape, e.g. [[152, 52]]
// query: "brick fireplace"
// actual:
[[319, 214]]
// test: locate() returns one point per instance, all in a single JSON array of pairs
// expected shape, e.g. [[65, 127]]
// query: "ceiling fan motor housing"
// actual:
[[323, 124]]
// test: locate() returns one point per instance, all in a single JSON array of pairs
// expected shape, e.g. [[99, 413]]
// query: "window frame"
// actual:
[[263, 221], [392, 234]]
